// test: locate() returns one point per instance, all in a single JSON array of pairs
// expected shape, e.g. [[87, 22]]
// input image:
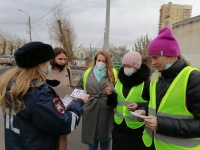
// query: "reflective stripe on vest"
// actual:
[[172, 100], [121, 111], [88, 71]]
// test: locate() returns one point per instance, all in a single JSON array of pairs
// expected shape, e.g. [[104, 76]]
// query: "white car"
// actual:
[[7, 59]]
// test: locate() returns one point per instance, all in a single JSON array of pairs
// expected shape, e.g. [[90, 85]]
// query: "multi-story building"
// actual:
[[172, 13], [81, 52]]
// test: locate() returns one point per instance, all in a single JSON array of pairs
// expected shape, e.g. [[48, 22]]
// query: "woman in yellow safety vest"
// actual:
[[174, 107], [97, 121], [131, 92]]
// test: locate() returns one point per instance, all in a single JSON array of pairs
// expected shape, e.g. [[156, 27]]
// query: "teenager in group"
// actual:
[[34, 114], [63, 74], [97, 120], [131, 93]]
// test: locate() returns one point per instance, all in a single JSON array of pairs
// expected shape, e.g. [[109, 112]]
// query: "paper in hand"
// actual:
[[77, 93], [110, 85], [67, 100], [137, 115]]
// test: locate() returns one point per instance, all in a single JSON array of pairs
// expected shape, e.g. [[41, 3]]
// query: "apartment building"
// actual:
[[172, 13], [187, 33]]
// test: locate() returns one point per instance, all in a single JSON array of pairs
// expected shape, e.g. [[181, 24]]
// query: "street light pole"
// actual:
[[29, 22], [90, 55], [106, 34]]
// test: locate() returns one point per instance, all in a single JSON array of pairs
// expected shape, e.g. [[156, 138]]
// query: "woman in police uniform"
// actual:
[[35, 116]]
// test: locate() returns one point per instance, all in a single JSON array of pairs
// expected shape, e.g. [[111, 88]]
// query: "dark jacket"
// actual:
[[185, 128], [40, 124], [124, 137], [142, 75]]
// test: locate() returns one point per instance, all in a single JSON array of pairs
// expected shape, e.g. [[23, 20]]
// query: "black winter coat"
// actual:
[[184, 128], [125, 138], [142, 75]]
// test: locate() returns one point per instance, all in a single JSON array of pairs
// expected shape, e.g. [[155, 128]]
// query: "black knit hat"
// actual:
[[32, 54]]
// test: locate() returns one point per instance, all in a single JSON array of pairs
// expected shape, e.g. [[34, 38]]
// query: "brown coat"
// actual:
[[66, 85]]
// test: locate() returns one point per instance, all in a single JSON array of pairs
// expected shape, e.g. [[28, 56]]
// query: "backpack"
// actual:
[[68, 71]]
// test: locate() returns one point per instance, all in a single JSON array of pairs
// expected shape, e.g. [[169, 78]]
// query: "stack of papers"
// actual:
[[75, 94]]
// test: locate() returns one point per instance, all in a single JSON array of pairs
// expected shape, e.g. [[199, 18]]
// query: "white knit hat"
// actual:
[[132, 58]]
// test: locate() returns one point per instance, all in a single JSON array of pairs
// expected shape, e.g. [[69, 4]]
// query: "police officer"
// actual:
[[34, 114]]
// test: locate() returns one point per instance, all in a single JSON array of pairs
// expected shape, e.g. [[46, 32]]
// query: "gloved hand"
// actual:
[[53, 82]]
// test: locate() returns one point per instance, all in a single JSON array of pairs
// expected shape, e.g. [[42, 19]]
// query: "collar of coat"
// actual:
[[174, 70], [136, 78]]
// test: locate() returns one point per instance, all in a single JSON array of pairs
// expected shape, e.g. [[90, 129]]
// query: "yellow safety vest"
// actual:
[[87, 73], [121, 110], [172, 105]]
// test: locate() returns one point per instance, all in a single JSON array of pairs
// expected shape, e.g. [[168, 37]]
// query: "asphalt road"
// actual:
[[2, 147], [74, 138]]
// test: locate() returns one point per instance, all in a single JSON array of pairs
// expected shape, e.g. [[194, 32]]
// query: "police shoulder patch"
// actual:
[[58, 105]]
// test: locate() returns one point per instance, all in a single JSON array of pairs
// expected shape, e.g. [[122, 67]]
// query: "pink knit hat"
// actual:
[[164, 44], [132, 58]]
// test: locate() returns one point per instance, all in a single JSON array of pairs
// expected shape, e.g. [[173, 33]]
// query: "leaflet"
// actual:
[[137, 115], [110, 85], [67, 100], [77, 93]]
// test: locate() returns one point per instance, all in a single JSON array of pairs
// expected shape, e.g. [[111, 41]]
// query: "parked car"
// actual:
[[7, 59]]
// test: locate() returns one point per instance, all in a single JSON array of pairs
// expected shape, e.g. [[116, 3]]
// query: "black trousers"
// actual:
[[127, 142]]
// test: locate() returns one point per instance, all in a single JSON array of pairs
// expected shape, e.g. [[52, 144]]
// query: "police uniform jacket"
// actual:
[[40, 124]]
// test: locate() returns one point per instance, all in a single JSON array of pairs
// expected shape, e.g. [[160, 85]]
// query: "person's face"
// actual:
[[130, 66], [44, 66], [61, 59], [101, 58], [160, 62]]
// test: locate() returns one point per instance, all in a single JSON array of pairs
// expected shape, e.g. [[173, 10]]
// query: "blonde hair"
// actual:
[[12, 96], [155, 75], [109, 65], [185, 59]]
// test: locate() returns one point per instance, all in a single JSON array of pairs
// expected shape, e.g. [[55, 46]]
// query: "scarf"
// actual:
[[99, 74]]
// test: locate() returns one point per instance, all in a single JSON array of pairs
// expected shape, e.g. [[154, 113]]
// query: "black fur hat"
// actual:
[[32, 54]]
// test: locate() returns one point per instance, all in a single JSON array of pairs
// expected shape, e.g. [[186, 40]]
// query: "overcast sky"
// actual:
[[129, 19]]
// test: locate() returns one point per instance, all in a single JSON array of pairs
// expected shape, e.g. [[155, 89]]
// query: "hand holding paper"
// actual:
[[77, 93], [85, 97], [137, 115], [67, 100], [110, 85], [132, 106]]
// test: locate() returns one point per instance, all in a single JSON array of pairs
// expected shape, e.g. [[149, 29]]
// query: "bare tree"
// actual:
[[61, 30], [141, 46], [3, 46], [9, 43], [16, 43], [4, 41], [117, 53]]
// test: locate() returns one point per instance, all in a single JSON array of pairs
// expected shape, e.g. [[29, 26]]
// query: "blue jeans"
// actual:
[[103, 145]]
